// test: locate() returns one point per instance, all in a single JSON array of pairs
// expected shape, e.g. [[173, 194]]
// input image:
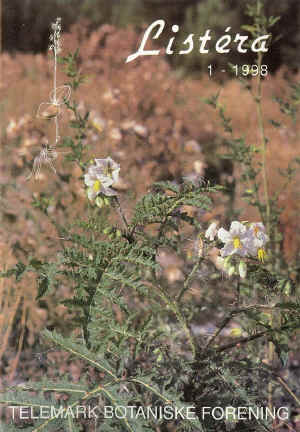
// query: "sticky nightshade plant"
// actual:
[[243, 240], [270, 277], [136, 332]]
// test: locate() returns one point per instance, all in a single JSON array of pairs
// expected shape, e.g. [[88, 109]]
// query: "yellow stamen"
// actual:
[[256, 230], [261, 254], [97, 186], [237, 243]]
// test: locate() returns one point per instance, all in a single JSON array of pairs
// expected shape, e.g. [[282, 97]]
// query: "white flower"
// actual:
[[236, 240], [109, 169], [258, 231], [211, 231], [97, 181], [97, 189], [258, 240]]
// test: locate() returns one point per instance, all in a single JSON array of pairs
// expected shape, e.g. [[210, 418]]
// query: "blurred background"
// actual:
[[148, 115], [26, 23]]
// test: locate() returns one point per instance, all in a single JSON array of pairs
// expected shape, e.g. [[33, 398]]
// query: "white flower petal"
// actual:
[[108, 168], [263, 237], [108, 192], [236, 228], [101, 163], [227, 250], [91, 194], [211, 231], [241, 251], [105, 181], [88, 180], [259, 226], [224, 235]]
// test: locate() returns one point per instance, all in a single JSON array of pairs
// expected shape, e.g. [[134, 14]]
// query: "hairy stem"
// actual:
[[175, 307], [121, 213], [186, 283]]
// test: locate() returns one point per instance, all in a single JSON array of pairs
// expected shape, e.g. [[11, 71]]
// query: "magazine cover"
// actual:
[[149, 209]]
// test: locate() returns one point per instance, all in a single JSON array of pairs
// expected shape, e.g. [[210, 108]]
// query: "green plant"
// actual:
[[252, 171], [136, 329]]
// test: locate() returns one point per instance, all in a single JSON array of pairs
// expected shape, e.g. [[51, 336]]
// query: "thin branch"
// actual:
[[251, 338]]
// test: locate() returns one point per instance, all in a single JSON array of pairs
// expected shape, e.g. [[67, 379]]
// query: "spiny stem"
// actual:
[[245, 340], [175, 307], [181, 318], [188, 279], [121, 213], [271, 352], [288, 389]]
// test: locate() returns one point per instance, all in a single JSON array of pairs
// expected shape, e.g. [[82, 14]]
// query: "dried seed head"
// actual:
[[55, 36], [48, 111]]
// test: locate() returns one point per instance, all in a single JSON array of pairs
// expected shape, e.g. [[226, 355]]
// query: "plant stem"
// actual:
[[267, 201], [263, 142], [249, 339], [121, 213], [175, 307], [55, 70], [270, 360], [188, 279], [288, 389]]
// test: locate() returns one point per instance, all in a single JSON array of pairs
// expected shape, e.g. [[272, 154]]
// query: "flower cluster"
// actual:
[[244, 240], [100, 177]]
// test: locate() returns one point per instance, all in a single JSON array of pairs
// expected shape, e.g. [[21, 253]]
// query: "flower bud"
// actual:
[[227, 262], [99, 202], [231, 271], [242, 269]]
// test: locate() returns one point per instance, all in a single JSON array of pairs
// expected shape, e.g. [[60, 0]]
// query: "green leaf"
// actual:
[[249, 28], [43, 285], [80, 351]]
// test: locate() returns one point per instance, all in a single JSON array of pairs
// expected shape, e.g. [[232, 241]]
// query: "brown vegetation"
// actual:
[[152, 122]]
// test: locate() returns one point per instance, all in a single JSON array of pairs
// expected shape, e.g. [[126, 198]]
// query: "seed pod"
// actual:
[[48, 111]]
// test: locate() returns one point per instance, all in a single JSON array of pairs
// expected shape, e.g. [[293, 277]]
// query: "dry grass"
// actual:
[[147, 119]]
